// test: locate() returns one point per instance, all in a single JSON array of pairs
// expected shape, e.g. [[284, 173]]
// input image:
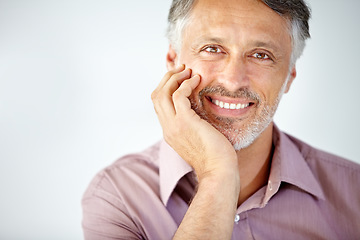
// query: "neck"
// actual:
[[254, 164]]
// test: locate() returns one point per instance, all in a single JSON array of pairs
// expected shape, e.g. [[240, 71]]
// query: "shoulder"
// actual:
[[338, 177], [139, 168], [316, 157], [115, 197]]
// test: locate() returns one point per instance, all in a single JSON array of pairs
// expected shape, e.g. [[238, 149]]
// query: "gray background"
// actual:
[[75, 84]]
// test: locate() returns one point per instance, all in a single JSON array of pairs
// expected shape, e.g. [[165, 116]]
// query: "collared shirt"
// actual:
[[310, 195]]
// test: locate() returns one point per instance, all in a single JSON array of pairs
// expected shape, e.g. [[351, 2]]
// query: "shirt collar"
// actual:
[[171, 169], [289, 165]]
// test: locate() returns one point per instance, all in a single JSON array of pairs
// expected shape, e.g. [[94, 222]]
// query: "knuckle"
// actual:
[[177, 94], [154, 95], [176, 76], [169, 74]]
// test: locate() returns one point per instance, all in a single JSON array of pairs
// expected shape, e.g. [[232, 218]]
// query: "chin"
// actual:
[[243, 137]]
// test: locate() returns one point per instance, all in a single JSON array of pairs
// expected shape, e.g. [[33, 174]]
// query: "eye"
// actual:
[[212, 49], [261, 56]]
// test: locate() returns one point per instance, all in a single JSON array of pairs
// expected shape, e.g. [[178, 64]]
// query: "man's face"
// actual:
[[241, 50]]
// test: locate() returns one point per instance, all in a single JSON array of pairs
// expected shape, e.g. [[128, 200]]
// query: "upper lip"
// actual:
[[230, 100]]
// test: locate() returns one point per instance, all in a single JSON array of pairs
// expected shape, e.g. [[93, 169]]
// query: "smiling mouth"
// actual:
[[230, 106]]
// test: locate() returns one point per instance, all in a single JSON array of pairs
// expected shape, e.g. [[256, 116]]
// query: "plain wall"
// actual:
[[75, 84]]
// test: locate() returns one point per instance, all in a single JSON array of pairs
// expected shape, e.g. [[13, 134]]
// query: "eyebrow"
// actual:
[[267, 44], [201, 41], [218, 40]]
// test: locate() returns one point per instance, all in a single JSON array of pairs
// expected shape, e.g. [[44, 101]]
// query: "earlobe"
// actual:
[[171, 58], [291, 79]]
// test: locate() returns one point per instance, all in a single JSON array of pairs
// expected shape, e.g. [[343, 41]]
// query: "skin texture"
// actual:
[[238, 46]]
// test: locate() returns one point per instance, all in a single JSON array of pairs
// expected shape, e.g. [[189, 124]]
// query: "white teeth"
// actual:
[[231, 106]]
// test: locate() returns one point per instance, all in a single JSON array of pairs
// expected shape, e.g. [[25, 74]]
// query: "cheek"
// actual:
[[267, 82], [207, 71], [271, 91]]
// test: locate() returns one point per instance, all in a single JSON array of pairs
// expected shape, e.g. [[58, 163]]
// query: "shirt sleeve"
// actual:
[[104, 214]]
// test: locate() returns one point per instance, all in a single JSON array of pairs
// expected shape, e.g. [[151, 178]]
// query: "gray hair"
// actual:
[[295, 11]]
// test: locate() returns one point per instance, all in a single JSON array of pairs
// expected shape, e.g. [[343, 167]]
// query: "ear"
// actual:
[[291, 79], [171, 58]]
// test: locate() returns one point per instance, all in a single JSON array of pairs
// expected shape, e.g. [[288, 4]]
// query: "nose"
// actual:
[[233, 74]]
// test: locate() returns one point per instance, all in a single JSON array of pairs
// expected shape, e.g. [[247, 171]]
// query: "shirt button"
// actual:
[[270, 185], [237, 218]]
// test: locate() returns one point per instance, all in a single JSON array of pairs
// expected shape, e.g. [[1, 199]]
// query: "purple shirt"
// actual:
[[310, 195]]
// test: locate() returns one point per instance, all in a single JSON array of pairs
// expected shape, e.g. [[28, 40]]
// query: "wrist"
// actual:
[[221, 180], [222, 170]]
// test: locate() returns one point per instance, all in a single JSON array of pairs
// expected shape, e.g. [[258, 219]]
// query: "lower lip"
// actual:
[[235, 113]]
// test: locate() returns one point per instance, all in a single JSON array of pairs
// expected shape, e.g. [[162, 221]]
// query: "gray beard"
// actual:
[[242, 137]]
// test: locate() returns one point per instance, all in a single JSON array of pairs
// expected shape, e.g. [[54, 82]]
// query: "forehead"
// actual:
[[218, 16], [214, 9]]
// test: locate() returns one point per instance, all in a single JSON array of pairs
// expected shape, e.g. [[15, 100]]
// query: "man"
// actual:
[[225, 171]]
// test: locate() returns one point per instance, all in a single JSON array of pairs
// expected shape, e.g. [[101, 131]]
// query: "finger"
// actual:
[[175, 81], [159, 97], [162, 97], [171, 82], [168, 75], [163, 106], [180, 96]]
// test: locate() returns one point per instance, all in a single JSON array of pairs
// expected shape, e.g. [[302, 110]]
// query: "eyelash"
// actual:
[[266, 57], [218, 49]]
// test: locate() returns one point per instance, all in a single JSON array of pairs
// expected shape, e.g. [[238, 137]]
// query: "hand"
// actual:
[[194, 139]]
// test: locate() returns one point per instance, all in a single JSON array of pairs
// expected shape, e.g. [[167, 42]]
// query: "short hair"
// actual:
[[296, 12]]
